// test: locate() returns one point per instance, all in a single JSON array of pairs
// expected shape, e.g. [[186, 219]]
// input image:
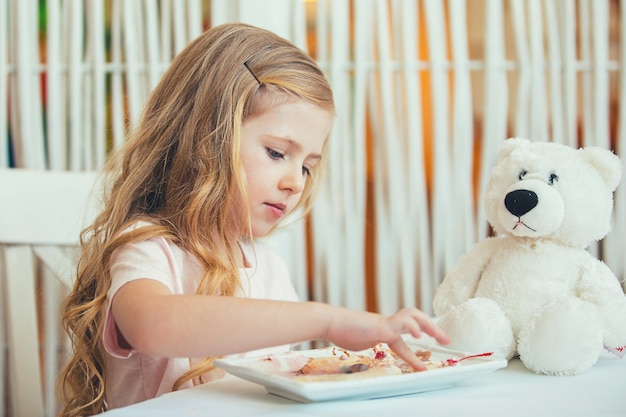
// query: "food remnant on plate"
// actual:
[[342, 364]]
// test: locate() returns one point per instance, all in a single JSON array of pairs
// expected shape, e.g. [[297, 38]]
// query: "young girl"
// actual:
[[230, 142]]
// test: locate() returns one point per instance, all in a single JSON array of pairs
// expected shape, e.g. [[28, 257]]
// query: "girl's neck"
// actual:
[[242, 261]]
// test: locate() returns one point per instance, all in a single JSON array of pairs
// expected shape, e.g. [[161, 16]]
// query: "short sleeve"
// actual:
[[149, 259]]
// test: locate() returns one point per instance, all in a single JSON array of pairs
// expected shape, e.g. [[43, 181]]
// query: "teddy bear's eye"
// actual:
[[522, 174], [553, 178]]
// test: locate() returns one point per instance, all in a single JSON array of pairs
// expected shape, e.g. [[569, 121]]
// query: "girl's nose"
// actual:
[[293, 180]]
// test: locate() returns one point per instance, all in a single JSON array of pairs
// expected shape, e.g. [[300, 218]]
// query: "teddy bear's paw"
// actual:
[[479, 325], [563, 339]]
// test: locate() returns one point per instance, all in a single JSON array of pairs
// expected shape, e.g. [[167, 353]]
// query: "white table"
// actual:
[[512, 391]]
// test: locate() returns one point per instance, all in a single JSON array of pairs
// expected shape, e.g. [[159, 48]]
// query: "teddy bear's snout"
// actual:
[[531, 208], [520, 202]]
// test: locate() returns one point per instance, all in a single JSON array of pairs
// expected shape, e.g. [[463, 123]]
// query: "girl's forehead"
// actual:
[[299, 122], [268, 97]]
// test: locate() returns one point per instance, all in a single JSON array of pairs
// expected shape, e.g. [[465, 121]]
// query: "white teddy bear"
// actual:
[[534, 289]]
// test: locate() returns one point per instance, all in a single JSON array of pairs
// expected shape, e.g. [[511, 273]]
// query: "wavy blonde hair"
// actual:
[[181, 170]]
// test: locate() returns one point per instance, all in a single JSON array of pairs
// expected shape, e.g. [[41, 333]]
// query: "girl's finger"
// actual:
[[428, 326], [405, 352]]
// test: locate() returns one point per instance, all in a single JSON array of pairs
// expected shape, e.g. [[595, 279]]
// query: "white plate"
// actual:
[[256, 369]]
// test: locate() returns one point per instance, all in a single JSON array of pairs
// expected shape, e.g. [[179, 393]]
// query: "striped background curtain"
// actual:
[[426, 91]]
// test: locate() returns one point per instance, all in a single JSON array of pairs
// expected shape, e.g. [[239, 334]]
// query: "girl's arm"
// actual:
[[154, 321]]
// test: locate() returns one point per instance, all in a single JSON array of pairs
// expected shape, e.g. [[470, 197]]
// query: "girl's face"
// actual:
[[279, 146]]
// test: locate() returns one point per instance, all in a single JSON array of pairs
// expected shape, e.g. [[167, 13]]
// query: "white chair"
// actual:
[[41, 216]]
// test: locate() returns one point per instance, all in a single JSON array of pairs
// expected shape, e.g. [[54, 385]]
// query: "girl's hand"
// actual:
[[356, 330]]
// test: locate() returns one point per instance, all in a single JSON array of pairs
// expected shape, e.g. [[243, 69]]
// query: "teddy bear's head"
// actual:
[[549, 190]]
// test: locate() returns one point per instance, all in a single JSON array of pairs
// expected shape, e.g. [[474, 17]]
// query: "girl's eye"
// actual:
[[274, 154], [521, 175]]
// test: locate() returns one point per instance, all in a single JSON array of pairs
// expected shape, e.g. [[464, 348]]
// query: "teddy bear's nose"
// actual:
[[520, 202]]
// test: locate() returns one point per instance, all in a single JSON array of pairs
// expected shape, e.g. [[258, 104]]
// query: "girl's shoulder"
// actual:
[[153, 240]]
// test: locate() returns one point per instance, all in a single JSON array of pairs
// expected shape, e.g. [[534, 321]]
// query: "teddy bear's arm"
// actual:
[[598, 285], [460, 282]]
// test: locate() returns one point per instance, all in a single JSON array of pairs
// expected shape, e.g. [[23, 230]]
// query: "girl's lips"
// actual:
[[278, 209]]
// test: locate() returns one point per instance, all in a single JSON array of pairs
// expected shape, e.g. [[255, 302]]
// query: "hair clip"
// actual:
[[255, 77]]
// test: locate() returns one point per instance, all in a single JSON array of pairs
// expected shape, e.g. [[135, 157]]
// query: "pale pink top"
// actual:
[[131, 376]]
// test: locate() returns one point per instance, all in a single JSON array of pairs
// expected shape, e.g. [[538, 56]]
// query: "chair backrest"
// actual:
[[44, 207], [41, 216]]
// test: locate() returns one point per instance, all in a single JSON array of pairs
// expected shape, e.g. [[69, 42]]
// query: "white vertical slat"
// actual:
[[341, 292], [613, 244], [50, 300], [589, 77], [87, 100], [4, 97], [75, 75], [223, 11], [22, 330], [462, 129], [405, 224], [521, 123], [443, 238], [359, 174], [194, 19], [180, 31], [401, 224], [387, 170], [117, 105], [322, 18], [350, 163], [274, 15], [567, 14], [87, 93], [99, 73], [586, 97], [555, 71], [26, 103], [55, 109], [151, 41], [132, 57], [600, 58], [416, 170], [495, 110], [165, 31], [617, 239], [299, 26], [322, 286], [538, 109], [326, 264]]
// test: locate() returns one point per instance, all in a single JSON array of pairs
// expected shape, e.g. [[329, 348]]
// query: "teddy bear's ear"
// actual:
[[606, 162], [511, 144]]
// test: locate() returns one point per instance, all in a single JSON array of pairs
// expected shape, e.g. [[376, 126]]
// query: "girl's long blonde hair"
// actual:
[[180, 170]]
